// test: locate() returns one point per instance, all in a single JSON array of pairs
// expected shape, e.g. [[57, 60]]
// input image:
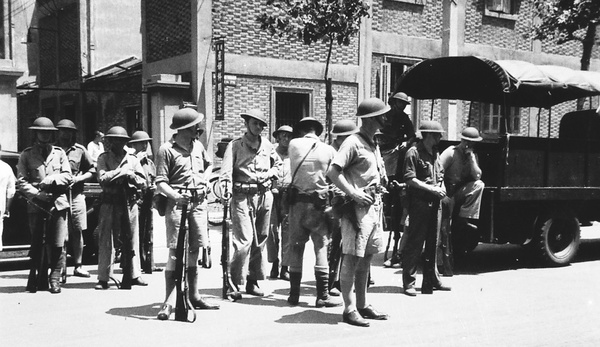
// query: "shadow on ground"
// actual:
[[311, 317], [145, 312]]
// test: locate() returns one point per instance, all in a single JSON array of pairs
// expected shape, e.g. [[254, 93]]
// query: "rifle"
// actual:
[[38, 273], [184, 311], [230, 289]]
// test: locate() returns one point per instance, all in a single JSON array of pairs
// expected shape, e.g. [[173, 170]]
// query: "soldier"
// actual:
[[184, 162], [82, 169], [121, 176], [139, 142], [44, 175], [309, 160], [341, 130], [358, 171], [250, 164], [278, 235], [424, 176]]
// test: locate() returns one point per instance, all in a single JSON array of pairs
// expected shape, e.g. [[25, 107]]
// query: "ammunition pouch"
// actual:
[[159, 202], [320, 201], [251, 188]]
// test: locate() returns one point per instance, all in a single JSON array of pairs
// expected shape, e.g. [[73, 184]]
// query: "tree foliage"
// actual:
[[566, 20], [315, 20]]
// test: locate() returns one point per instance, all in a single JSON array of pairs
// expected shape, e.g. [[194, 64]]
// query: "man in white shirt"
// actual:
[[95, 147], [7, 192]]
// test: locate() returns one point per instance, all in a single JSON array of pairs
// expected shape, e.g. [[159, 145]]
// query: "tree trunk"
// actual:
[[328, 96], [588, 45]]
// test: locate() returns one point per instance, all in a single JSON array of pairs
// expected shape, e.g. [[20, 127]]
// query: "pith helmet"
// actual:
[[140, 136], [344, 127], [185, 118], [401, 96], [372, 107], [283, 129], [117, 132], [256, 114], [308, 121], [431, 126], [42, 123], [471, 134], [66, 124]]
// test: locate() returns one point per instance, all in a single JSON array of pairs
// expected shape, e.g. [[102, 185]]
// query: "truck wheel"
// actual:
[[557, 239]]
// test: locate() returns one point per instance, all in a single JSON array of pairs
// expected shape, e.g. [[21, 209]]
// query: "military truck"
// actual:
[[538, 190]]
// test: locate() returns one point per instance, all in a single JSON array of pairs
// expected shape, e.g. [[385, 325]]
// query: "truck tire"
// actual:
[[557, 239]]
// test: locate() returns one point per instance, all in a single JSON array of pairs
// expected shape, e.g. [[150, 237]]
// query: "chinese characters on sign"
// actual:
[[219, 79]]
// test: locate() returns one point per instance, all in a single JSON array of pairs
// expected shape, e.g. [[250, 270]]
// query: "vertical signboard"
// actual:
[[219, 44]]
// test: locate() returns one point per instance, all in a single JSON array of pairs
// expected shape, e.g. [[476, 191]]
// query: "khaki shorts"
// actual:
[[197, 223], [369, 239]]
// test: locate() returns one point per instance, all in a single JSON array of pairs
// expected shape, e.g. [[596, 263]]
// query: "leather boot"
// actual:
[[197, 301], [57, 264], [323, 297], [274, 270], [167, 306], [295, 279], [284, 274], [252, 288]]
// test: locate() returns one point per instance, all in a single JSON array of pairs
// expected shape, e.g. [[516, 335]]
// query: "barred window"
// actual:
[[491, 116]]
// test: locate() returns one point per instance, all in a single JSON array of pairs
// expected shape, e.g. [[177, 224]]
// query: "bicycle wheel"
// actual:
[[215, 206]]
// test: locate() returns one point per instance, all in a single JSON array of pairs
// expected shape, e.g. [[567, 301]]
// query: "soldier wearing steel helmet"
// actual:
[[277, 242], [83, 169], [424, 175], [309, 160], [139, 143], [122, 177], [462, 177], [184, 162], [43, 176], [250, 164], [358, 170]]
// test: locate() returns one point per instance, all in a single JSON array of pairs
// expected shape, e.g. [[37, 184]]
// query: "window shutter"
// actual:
[[385, 81]]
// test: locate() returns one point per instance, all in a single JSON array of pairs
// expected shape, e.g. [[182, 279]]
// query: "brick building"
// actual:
[[285, 78], [68, 43]]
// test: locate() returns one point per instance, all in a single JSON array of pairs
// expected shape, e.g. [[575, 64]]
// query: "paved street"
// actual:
[[499, 298]]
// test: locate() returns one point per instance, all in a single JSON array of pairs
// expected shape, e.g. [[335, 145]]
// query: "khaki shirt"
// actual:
[[360, 161], [423, 166], [34, 169], [285, 176], [458, 168], [111, 170], [81, 163], [176, 166], [245, 164], [311, 174]]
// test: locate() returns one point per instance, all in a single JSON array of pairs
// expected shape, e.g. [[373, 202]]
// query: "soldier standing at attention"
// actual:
[[139, 142], [249, 165], [278, 235], [424, 175], [184, 162], [44, 175], [358, 171], [82, 169], [309, 159], [121, 176]]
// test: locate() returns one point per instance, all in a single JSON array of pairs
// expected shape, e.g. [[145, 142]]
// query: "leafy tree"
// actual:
[[567, 20], [311, 21]]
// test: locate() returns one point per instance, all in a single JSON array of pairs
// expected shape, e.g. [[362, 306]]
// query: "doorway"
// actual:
[[289, 106]]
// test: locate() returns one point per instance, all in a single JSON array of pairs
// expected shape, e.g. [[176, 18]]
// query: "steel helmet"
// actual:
[[42, 123], [256, 114], [185, 118], [431, 126], [117, 132], [372, 107], [344, 127], [283, 129], [307, 122], [471, 134], [401, 96], [66, 124], [140, 136]]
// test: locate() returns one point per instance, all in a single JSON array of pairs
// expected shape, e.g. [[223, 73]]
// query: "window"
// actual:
[[388, 78], [503, 6], [290, 106], [492, 114]]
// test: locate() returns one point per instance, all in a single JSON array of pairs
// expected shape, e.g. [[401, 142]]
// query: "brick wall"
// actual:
[[255, 92], [499, 32], [408, 19], [236, 21], [168, 28]]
